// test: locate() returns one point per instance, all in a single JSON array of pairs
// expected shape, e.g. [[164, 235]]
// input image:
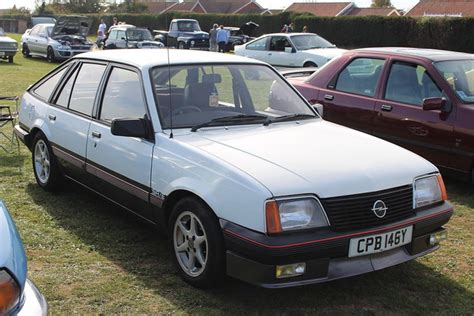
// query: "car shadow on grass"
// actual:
[[139, 251]]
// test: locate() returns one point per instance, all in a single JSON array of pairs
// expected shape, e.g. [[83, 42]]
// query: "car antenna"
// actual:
[[169, 85]]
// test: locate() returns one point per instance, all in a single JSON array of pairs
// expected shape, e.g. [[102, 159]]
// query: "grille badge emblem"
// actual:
[[379, 208]]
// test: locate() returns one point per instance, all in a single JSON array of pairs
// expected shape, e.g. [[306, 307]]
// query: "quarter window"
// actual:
[[123, 97], [260, 44], [45, 89], [360, 76], [410, 83], [85, 88]]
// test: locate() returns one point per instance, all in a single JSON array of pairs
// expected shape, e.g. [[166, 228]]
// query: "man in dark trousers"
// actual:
[[222, 38]]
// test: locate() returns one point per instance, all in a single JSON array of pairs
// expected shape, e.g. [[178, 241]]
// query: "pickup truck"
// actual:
[[184, 34]]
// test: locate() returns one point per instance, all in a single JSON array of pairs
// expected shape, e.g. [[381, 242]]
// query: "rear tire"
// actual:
[[196, 243], [25, 51], [45, 167], [50, 55]]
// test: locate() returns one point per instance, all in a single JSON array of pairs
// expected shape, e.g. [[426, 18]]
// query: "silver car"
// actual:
[[62, 40]]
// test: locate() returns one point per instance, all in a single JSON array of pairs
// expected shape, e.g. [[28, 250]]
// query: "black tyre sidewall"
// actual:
[[50, 55], [213, 273], [26, 51], [55, 176]]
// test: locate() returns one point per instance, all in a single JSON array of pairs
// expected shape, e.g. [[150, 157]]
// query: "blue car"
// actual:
[[18, 295]]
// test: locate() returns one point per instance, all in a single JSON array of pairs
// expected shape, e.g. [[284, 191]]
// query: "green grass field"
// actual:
[[90, 257]]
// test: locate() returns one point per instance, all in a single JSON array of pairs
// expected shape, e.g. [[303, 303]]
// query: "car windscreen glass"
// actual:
[[303, 42], [242, 94], [188, 26], [459, 74], [139, 35]]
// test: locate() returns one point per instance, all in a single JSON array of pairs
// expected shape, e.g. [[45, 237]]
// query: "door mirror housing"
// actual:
[[130, 128], [430, 104], [318, 107]]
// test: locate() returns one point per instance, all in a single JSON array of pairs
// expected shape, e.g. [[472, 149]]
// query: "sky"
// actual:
[[271, 4]]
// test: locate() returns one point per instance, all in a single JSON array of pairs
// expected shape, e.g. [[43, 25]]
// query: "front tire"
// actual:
[[181, 45], [45, 167], [25, 51], [197, 244], [50, 55]]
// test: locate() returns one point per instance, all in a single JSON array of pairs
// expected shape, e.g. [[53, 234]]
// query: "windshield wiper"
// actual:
[[289, 117], [229, 119]]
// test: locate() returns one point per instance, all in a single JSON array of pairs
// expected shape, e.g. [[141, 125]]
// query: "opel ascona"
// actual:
[[229, 159]]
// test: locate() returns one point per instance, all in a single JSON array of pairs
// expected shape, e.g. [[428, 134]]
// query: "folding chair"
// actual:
[[7, 117]]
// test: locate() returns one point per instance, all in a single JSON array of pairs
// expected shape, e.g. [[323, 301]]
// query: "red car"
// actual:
[[421, 99]]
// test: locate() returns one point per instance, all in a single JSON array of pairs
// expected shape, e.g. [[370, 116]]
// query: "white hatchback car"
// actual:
[[240, 170], [290, 50]]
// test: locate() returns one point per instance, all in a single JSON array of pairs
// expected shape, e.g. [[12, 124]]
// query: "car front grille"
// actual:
[[353, 212], [81, 47]]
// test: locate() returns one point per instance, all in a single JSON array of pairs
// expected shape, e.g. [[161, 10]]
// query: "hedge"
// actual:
[[348, 32]]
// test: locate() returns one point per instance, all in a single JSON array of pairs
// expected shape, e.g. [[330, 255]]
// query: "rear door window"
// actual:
[[85, 88], [260, 44], [360, 76]]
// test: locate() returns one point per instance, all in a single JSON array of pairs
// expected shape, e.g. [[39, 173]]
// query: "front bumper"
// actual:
[[33, 302], [65, 54], [252, 257], [7, 53]]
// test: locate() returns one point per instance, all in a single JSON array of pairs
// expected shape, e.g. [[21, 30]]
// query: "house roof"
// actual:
[[159, 7], [464, 8], [373, 11], [321, 8], [208, 6]]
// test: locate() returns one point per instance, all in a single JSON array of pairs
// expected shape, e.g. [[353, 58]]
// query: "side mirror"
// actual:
[[430, 104], [130, 128]]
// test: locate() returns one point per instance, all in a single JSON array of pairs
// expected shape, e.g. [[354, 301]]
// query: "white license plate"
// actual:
[[381, 242]]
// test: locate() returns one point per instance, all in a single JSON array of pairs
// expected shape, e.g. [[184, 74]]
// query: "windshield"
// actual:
[[309, 41], [460, 76], [2, 32], [139, 35], [198, 94], [188, 26]]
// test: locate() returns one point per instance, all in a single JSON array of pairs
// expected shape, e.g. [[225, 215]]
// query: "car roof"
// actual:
[[45, 24], [121, 26], [430, 54], [146, 58], [288, 34]]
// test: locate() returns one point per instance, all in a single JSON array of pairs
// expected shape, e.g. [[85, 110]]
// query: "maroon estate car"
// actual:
[[421, 99]]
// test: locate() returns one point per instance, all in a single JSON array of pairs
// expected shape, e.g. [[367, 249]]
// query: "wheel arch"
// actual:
[[174, 197]]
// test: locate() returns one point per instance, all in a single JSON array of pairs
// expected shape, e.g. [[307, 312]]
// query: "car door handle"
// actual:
[[52, 117], [386, 108], [328, 97], [96, 134]]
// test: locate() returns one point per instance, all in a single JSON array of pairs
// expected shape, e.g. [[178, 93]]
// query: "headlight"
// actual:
[[294, 214], [192, 43], [13, 45], [429, 190], [9, 292]]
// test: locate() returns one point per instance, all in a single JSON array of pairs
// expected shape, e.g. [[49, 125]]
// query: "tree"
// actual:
[[381, 4]]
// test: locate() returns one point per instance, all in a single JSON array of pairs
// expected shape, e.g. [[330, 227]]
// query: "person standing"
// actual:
[[213, 38], [101, 32], [305, 29], [222, 38], [290, 27]]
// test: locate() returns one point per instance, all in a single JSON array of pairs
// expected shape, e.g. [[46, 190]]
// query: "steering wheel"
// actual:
[[186, 109]]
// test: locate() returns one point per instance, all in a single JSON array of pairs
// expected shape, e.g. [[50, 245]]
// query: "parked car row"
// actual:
[[8, 47], [223, 154]]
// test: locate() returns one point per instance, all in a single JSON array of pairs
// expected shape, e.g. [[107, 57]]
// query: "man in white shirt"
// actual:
[[101, 32]]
